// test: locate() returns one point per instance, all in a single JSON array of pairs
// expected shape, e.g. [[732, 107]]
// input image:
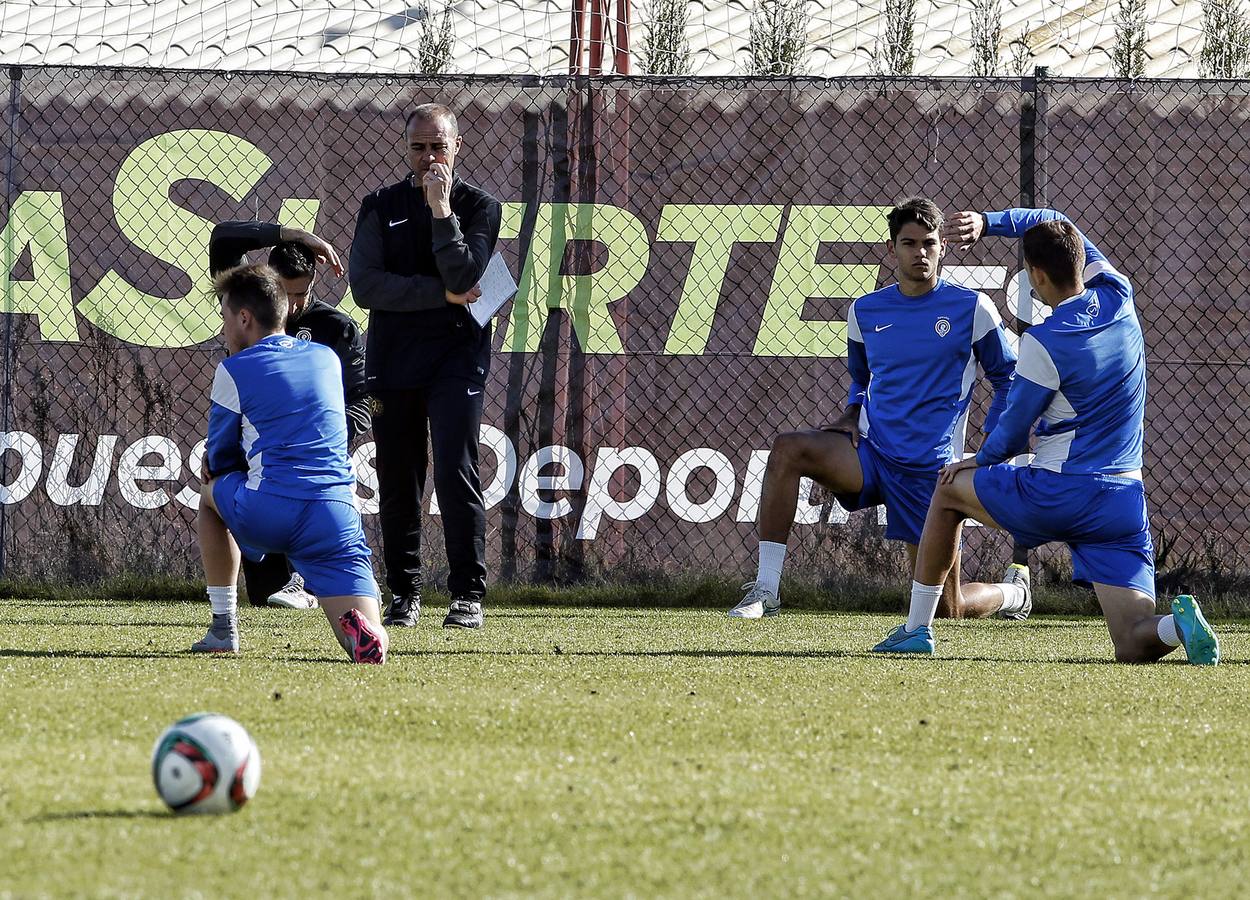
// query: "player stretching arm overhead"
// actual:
[[1082, 372], [912, 350], [276, 474]]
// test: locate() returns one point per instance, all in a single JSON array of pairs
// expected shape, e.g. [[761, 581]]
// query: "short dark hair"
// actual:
[[432, 112], [256, 289], [920, 210], [291, 259], [1056, 248]]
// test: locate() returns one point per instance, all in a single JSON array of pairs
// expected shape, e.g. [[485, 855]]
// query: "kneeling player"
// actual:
[[276, 471], [1082, 372], [912, 352]]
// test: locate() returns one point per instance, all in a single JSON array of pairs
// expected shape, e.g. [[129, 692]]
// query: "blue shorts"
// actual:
[[1102, 519], [905, 493], [323, 539]]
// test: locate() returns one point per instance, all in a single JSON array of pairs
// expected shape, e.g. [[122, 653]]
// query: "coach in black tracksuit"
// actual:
[[420, 248], [294, 258]]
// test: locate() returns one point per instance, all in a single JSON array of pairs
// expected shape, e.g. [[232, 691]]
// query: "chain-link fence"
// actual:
[[686, 251]]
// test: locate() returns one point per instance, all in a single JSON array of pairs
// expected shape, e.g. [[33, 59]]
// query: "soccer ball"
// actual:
[[205, 763]]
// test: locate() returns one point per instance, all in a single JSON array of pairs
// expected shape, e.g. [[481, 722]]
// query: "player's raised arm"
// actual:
[[1035, 385], [231, 241], [1014, 222]]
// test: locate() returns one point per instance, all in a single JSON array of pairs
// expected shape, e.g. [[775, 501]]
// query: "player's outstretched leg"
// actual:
[[1010, 598], [220, 556], [826, 457], [358, 627]]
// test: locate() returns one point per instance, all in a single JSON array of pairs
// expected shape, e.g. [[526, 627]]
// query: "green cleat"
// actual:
[[1197, 636]]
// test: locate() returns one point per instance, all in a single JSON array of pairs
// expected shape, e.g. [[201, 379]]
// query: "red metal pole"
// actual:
[[622, 37], [598, 30], [577, 37]]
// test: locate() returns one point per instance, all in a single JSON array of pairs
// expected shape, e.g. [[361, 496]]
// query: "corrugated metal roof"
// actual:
[[531, 36]]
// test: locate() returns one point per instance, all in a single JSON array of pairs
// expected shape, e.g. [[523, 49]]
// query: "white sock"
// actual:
[[224, 600], [1013, 597], [924, 604], [1167, 632], [772, 555]]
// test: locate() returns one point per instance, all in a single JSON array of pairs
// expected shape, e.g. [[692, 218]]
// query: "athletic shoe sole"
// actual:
[[201, 647], [1201, 645], [468, 626], [366, 645]]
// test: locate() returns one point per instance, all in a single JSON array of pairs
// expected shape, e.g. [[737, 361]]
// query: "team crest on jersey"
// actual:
[[286, 343], [304, 335], [942, 326], [1093, 308]]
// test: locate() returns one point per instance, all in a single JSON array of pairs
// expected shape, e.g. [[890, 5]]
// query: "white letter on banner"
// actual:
[[599, 500], [366, 477], [130, 472], [570, 479], [752, 486], [505, 468], [722, 495], [505, 465], [91, 491], [190, 496], [32, 465]]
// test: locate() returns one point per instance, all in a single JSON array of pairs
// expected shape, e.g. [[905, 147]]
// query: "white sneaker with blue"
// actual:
[[758, 602]]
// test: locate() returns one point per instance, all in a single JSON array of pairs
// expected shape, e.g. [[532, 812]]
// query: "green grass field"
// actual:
[[609, 752]]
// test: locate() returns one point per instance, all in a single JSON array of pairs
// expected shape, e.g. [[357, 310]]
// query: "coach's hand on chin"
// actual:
[[947, 475]]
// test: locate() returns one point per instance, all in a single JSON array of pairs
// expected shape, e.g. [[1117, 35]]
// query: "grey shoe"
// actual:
[[464, 613], [222, 637], [403, 612], [757, 603], [1019, 574], [292, 595]]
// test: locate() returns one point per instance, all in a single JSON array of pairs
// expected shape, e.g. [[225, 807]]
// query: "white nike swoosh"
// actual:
[[883, 327], [474, 393], [397, 222]]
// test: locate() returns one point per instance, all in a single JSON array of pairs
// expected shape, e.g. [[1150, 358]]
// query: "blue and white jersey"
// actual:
[[277, 413], [913, 363], [1082, 372]]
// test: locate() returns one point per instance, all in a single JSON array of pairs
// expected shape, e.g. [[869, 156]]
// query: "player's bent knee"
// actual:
[[788, 449]]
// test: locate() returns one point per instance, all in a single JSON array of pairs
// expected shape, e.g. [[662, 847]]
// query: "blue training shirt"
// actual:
[[913, 363], [277, 412], [1082, 372]]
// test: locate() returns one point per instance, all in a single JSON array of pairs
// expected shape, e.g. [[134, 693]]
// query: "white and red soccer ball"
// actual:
[[205, 763]]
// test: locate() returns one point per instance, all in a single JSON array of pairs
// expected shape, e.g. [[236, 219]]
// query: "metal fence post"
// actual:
[[10, 198], [1032, 123]]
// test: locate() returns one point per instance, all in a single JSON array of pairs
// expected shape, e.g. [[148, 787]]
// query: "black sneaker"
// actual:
[[464, 613], [403, 611]]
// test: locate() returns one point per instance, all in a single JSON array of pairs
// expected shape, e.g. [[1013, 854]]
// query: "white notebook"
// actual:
[[497, 289]]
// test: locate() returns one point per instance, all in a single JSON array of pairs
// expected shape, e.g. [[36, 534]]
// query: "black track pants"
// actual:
[[451, 409]]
